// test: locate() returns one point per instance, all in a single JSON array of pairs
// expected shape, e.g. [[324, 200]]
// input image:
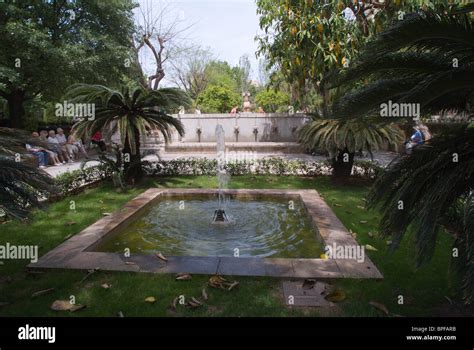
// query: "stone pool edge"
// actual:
[[75, 252]]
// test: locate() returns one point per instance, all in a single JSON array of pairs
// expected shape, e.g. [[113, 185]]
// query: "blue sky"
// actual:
[[227, 27]]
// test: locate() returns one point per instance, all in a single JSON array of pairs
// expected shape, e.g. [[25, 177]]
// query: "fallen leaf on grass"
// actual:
[[161, 256], [370, 234], [183, 277], [216, 280], [389, 242], [336, 296], [41, 292], [363, 221], [192, 304], [106, 285], [150, 300], [338, 205], [174, 304], [65, 305], [379, 306], [120, 314], [204, 294], [194, 300], [361, 207], [369, 247], [233, 285]]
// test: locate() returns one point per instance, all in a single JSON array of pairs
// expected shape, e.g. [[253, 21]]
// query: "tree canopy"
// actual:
[[305, 40], [49, 45]]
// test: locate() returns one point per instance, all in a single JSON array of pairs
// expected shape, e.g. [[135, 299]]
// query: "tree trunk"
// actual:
[[342, 164], [326, 98], [16, 110], [133, 169]]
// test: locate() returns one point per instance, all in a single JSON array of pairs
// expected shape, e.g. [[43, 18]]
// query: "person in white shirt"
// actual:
[[56, 146], [52, 156]]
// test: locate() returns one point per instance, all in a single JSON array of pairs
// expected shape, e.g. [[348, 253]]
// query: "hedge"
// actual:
[[267, 166], [72, 181]]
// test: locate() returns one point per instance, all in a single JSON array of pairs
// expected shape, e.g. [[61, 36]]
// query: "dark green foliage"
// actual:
[[21, 184]]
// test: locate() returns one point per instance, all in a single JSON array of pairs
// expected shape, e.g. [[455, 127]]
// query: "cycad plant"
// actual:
[[342, 138], [132, 113], [426, 59], [21, 184]]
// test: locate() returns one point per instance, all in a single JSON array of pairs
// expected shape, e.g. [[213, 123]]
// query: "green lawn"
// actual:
[[424, 290]]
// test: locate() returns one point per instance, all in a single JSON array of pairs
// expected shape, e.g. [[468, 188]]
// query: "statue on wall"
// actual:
[[247, 106]]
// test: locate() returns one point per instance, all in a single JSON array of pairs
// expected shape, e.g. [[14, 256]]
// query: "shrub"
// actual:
[[267, 166]]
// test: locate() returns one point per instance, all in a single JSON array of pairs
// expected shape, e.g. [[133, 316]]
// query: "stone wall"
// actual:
[[269, 127]]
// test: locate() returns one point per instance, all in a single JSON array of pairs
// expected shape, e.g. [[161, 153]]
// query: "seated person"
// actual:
[[99, 141], [43, 137], [56, 147], [417, 138], [77, 143], [38, 152], [70, 149]]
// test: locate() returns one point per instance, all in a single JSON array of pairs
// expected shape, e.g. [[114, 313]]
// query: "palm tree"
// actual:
[[20, 183], [342, 138], [427, 59], [132, 113]]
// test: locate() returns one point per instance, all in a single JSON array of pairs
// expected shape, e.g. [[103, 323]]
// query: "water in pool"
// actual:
[[267, 227]]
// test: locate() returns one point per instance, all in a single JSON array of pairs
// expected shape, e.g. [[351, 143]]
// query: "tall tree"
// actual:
[[48, 45], [189, 70], [160, 33], [243, 71], [305, 40]]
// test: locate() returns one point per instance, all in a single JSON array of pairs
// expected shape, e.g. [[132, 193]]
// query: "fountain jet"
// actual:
[[222, 176]]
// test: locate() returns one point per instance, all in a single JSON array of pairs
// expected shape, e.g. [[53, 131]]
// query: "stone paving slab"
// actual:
[[241, 266], [78, 252], [316, 268], [351, 269]]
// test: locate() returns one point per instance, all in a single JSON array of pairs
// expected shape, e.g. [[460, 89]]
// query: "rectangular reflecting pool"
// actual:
[[261, 227], [278, 233]]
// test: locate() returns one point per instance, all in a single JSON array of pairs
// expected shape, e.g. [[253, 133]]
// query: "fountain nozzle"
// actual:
[[220, 216]]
